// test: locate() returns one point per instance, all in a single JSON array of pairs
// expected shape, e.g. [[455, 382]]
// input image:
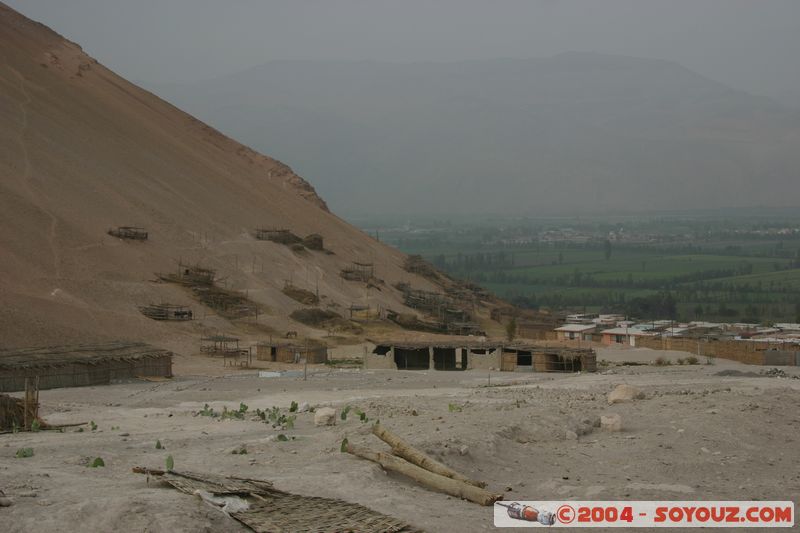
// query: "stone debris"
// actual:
[[624, 393], [612, 422], [774, 373], [325, 416], [239, 450]]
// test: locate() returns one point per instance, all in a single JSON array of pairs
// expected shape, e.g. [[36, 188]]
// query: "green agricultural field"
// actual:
[[732, 268], [704, 286]]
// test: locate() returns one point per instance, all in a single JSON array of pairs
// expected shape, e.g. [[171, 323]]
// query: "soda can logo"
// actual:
[[645, 514]]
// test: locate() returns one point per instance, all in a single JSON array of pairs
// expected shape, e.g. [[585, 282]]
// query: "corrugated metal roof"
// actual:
[[576, 327]]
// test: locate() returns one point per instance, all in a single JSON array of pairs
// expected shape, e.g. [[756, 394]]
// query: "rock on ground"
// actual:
[[611, 422], [325, 416], [624, 393]]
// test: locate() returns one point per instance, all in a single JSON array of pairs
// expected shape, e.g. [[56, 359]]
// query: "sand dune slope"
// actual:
[[83, 150]]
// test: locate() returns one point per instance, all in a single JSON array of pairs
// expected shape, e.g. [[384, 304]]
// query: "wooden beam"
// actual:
[[408, 452], [428, 479]]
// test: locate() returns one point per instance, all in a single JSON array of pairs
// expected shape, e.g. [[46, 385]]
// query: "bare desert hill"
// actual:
[[83, 150]]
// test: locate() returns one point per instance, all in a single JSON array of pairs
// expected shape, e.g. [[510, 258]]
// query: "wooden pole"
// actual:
[[405, 450], [428, 479], [26, 404]]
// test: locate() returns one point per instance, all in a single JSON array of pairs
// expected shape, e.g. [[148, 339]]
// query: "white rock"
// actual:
[[303, 407], [611, 422], [624, 393], [463, 450], [571, 435], [325, 416]]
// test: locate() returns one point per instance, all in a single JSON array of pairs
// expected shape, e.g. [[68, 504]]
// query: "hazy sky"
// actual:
[[752, 45]]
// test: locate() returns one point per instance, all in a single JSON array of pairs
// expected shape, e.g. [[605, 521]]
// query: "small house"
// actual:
[[626, 336], [292, 352], [572, 332]]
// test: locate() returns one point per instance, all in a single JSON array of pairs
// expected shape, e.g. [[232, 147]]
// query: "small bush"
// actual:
[[692, 360], [22, 453], [98, 461], [361, 415], [313, 316], [662, 361], [207, 411]]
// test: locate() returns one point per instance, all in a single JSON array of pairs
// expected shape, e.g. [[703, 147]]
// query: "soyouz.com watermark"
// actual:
[[681, 514]]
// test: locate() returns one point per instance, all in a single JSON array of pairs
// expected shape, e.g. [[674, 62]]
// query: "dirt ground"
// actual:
[[696, 435]]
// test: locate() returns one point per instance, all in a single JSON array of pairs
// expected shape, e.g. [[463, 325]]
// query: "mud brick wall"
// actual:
[[536, 333], [484, 361], [383, 362], [751, 353]]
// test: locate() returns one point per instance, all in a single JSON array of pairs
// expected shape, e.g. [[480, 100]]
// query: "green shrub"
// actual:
[[22, 453]]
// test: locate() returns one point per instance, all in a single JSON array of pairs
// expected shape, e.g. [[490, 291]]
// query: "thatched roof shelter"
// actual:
[[82, 365]]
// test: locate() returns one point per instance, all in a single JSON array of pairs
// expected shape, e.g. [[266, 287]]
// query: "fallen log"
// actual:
[[412, 455], [148, 471], [56, 427], [428, 479]]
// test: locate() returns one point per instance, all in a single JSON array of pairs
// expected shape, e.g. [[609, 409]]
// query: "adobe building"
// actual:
[[292, 352], [82, 365], [479, 355], [572, 332]]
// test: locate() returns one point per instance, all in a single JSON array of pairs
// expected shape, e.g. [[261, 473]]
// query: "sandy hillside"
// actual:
[[82, 150]]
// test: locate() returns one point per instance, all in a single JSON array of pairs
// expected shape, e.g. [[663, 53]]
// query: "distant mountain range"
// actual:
[[564, 134]]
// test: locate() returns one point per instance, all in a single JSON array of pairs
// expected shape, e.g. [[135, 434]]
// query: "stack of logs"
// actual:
[[422, 468]]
